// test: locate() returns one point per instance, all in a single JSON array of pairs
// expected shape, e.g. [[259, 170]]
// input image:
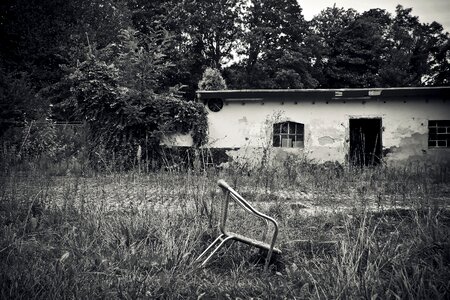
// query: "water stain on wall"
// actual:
[[326, 140], [243, 120]]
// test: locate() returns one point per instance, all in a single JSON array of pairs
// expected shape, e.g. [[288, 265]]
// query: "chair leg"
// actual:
[[269, 256], [215, 250], [210, 246]]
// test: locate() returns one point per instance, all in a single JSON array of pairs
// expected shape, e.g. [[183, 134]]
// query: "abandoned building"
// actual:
[[356, 126]]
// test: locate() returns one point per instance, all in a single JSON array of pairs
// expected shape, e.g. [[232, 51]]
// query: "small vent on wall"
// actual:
[[375, 93]]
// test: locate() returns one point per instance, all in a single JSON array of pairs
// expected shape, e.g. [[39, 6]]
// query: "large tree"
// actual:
[[328, 27], [440, 65], [355, 58], [274, 52], [416, 51], [373, 49], [203, 34]]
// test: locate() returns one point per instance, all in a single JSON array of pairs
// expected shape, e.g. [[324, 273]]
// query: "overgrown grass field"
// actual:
[[136, 235]]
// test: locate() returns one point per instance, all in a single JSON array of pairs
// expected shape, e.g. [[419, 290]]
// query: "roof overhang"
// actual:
[[326, 94]]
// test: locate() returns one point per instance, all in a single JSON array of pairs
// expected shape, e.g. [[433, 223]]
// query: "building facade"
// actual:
[[357, 126]]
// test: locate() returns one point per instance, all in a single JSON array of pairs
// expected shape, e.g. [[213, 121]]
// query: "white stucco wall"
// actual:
[[248, 124]]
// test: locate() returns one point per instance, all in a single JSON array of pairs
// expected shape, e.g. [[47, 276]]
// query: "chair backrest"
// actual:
[[231, 193]]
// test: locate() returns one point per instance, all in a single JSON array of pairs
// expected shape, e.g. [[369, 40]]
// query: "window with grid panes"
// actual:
[[288, 135], [439, 134]]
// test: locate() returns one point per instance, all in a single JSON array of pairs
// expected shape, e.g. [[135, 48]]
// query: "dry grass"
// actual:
[[133, 235]]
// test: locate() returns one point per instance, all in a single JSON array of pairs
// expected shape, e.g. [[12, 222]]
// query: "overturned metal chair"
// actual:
[[228, 235]]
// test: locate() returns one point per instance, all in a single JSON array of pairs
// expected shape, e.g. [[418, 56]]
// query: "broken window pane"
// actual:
[[439, 133], [288, 135], [276, 140], [276, 128]]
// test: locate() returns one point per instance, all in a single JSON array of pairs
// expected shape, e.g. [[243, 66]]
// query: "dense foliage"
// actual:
[[130, 68], [117, 91]]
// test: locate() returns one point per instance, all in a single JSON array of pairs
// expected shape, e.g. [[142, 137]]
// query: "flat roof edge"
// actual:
[[442, 91], [325, 90]]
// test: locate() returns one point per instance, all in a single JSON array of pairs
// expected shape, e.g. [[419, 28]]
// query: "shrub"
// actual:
[[212, 80]]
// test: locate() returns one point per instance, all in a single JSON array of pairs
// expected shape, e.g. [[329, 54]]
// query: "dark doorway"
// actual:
[[365, 141]]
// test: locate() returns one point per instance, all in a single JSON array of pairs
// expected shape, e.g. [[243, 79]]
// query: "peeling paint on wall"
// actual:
[[408, 148], [404, 130]]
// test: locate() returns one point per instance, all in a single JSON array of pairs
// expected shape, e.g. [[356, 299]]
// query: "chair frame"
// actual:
[[226, 235]]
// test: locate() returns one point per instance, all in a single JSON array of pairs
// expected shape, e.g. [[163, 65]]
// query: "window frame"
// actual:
[[438, 134], [288, 134]]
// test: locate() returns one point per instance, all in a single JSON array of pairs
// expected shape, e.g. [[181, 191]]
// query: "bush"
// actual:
[[212, 80]]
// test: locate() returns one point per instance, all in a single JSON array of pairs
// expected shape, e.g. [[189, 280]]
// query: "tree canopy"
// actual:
[[255, 44]]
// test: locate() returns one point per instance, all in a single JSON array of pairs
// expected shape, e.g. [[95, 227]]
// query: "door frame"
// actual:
[[377, 155]]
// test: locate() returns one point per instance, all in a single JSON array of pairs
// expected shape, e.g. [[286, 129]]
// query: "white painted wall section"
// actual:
[[404, 125]]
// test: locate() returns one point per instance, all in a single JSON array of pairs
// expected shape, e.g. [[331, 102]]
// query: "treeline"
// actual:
[[127, 67]]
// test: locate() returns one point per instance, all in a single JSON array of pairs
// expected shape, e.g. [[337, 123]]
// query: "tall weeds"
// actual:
[[136, 234]]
